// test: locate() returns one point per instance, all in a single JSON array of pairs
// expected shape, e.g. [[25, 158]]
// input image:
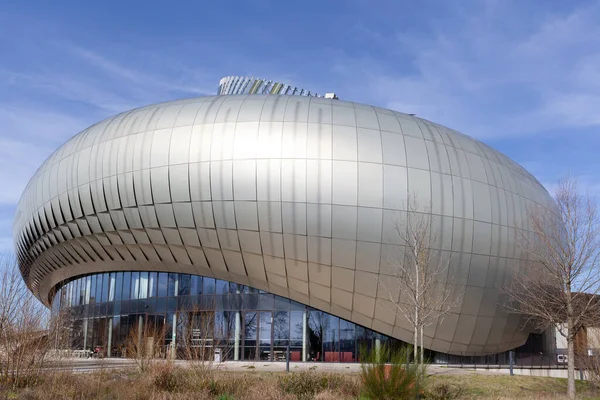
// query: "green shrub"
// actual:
[[388, 375]]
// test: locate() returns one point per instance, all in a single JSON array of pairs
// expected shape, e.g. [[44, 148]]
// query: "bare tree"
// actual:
[[144, 343], [204, 332], [23, 334], [558, 285], [421, 275]]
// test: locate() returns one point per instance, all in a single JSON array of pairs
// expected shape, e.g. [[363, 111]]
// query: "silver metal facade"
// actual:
[[290, 194]]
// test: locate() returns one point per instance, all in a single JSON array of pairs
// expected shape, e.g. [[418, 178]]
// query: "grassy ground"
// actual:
[[513, 387], [167, 382]]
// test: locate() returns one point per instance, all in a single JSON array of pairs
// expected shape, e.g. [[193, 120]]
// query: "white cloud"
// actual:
[[490, 72]]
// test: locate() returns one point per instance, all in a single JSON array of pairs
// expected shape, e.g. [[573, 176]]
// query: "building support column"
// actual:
[[109, 345], [85, 332], [174, 337], [140, 336], [304, 332], [236, 338]]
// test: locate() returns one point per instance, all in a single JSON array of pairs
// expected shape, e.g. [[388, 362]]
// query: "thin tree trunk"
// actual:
[[421, 340], [416, 338], [570, 363]]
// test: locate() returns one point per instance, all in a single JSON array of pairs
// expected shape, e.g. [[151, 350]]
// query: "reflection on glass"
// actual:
[[196, 285], [163, 282], [222, 287], [172, 288], [105, 278], [135, 285], [250, 325], [126, 285], [269, 325], [152, 278], [143, 285], [93, 290], [209, 286], [184, 284], [111, 292]]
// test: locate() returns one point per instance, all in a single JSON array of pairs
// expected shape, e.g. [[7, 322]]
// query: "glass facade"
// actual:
[[103, 311], [245, 323]]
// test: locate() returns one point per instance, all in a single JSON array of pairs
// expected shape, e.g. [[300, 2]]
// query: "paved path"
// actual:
[[90, 365]]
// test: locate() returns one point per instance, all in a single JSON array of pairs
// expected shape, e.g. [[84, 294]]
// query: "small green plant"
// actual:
[[388, 375], [225, 397]]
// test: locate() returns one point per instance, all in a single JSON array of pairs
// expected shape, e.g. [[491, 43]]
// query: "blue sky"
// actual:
[[522, 76]]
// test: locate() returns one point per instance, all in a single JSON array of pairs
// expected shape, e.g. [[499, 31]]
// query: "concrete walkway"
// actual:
[[79, 365]]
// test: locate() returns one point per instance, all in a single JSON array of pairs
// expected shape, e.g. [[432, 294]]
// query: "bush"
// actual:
[[307, 384], [444, 391], [164, 377], [303, 384], [396, 379]]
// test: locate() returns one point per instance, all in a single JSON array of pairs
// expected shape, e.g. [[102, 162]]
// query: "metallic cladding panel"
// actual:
[[296, 195]]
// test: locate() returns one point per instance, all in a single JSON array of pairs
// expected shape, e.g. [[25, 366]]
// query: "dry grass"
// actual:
[[167, 382], [504, 387]]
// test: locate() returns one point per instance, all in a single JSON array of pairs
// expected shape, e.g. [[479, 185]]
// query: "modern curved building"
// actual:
[[272, 216]]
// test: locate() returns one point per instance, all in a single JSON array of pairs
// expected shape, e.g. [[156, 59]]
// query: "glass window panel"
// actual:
[[222, 287], [98, 288], [281, 303], [143, 285], [161, 303], [105, 280], [135, 285], [250, 324], [196, 285], [152, 280], [209, 285], [172, 288], [281, 325], [163, 282], [93, 289], [266, 322], [317, 326], [111, 292], [119, 286], [331, 338], [347, 344], [184, 284], [88, 289], [237, 288], [126, 285], [250, 301]]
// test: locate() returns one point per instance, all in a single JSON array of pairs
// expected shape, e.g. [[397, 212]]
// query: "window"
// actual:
[[209, 286], [172, 289], [143, 285], [126, 285], [222, 287], [105, 280], [184, 285], [135, 285], [163, 282], [152, 280], [196, 285], [111, 292], [118, 286], [92, 288]]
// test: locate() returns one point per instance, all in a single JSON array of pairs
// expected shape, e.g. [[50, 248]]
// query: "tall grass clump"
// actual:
[[388, 374]]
